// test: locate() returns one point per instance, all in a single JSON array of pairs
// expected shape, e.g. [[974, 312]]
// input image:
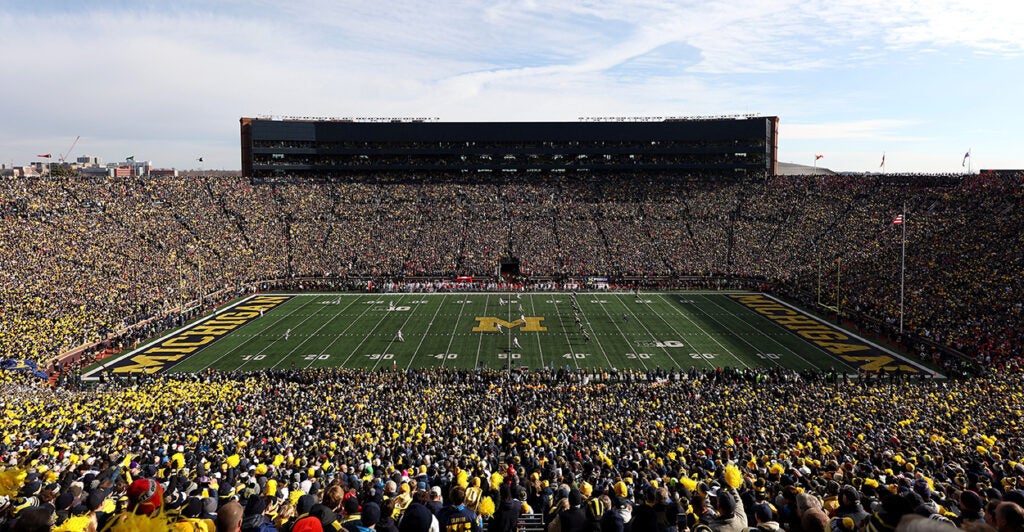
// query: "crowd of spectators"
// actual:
[[84, 257], [657, 451]]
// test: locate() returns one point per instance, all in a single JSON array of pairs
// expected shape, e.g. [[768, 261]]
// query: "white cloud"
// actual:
[[990, 26], [886, 130], [185, 74]]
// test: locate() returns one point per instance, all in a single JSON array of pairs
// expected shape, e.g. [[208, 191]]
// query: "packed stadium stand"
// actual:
[[120, 259], [85, 257]]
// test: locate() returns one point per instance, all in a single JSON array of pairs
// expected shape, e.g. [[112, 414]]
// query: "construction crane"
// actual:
[[73, 144]]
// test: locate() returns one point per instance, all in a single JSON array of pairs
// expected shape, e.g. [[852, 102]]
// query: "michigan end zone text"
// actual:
[[170, 350], [850, 349]]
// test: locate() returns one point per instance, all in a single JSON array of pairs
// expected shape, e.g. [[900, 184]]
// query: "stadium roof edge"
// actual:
[[613, 119]]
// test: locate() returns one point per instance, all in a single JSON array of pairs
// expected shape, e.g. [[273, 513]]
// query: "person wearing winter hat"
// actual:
[[814, 520], [731, 516], [193, 508], [306, 503], [850, 505], [765, 519], [62, 505], [308, 524], [350, 511], [971, 506], [368, 518], [209, 508], [831, 501], [145, 497], [328, 519], [253, 517], [888, 517], [417, 518]]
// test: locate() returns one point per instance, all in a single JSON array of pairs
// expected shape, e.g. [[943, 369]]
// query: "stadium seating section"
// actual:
[[83, 257]]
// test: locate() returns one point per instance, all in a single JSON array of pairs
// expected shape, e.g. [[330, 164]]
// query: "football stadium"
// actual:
[[593, 325]]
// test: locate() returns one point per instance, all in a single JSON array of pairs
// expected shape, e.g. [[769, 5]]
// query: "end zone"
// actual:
[[170, 349], [839, 343]]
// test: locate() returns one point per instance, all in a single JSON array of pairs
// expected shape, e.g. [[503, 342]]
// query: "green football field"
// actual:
[[623, 330]]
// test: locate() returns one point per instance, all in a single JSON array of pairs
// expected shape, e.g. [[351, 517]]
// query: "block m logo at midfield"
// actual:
[[489, 324]]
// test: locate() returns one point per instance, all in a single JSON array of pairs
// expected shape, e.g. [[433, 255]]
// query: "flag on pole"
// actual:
[[44, 156], [129, 158], [966, 156], [883, 161], [898, 220], [816, 157]]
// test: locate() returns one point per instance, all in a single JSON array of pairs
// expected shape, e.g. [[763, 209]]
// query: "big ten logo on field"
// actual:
[[525, 323]]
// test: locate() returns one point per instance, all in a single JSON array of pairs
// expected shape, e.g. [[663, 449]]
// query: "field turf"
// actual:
[[467, 330]]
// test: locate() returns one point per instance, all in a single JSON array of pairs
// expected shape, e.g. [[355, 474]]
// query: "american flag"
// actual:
[[898, 220]]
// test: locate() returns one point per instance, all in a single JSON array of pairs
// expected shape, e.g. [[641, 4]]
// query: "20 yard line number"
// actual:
[[694, 356]]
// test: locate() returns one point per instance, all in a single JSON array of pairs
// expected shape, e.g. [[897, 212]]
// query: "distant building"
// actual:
[[99, 171], [731, 145], [87, 161], [131, 168], [20, 171]]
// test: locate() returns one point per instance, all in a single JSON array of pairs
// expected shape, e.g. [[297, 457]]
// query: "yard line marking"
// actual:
[[701, 329], [480, 337], [366, 336], [756, 330], [540, 345], [404, 323], [423, 336], [336, 336], [617, 328], [565, 330], [239, 346], [308, 337]]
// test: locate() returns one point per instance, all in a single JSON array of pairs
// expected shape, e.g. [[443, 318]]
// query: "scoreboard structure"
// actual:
[[325, 147]]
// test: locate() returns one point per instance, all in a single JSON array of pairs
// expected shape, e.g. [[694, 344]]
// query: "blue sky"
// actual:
[[921, 81]]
